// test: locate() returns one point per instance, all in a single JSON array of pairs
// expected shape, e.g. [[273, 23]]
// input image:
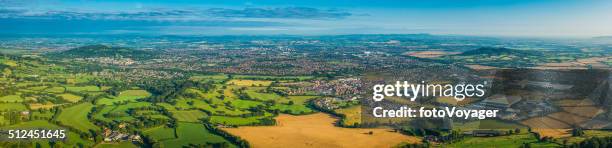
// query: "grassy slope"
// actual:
[[193, 133], [76, 117]]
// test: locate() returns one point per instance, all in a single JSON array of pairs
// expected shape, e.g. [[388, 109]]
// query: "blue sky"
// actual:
[[532, 18]]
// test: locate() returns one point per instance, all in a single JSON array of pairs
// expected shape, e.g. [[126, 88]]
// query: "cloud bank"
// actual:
[[178, 14]]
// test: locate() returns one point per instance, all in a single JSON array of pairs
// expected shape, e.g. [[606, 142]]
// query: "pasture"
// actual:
[[11, 99], [294, 109], [70, 97], [510, 141], [587, 134], [42, 115], [116, 145], [35, 106], [3, 121], [245, 104], [56, 90], [254, 94], [12, 107], [237, 121], [76, 117], [160, 133], [88, 88], [125, 96], [216, 109], [188, 116], [193, 133], [119, 112]]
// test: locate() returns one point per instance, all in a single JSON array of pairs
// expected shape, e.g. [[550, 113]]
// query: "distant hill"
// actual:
[[91, 51], [603, 37], [498, 51]]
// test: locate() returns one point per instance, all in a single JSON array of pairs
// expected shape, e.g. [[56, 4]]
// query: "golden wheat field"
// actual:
[[317, 130]]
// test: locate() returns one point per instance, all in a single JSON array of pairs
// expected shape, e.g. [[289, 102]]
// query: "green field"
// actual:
[[56, 90], [237, 121], [125, 96], [188, 116], [116, 145], [11, 98], [71, 97], [295, 109], [12, 107], [295, 105], [587, 134], [38, 88], [245, 104], [76, 117], [160, 133], [43, 115], [102, 112], [217, 109], [511, 141], [254, 94], [7, 62], [300, 99], [192, 133], [2, 121], [126, 107], [89, 88], [212, 94], [119, 112]]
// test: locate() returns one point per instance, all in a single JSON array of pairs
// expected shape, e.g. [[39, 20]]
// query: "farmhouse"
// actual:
[[115, 136]]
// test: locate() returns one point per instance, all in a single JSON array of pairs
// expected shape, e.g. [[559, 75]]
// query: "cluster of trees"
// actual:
[[453, 136], [234, 139], [542, 139], [280, 92], [7, 90], [6, 70], [425, 144], [280, 78], [39, 144], [594, 142], [577, 132], [408, 130], [13, 117], [208, 145], [16, 117], [168, 90]]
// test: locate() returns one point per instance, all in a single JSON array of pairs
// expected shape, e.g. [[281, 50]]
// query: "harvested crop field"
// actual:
[[316, 130], [545, 122], [568, 118], [555, 133]]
